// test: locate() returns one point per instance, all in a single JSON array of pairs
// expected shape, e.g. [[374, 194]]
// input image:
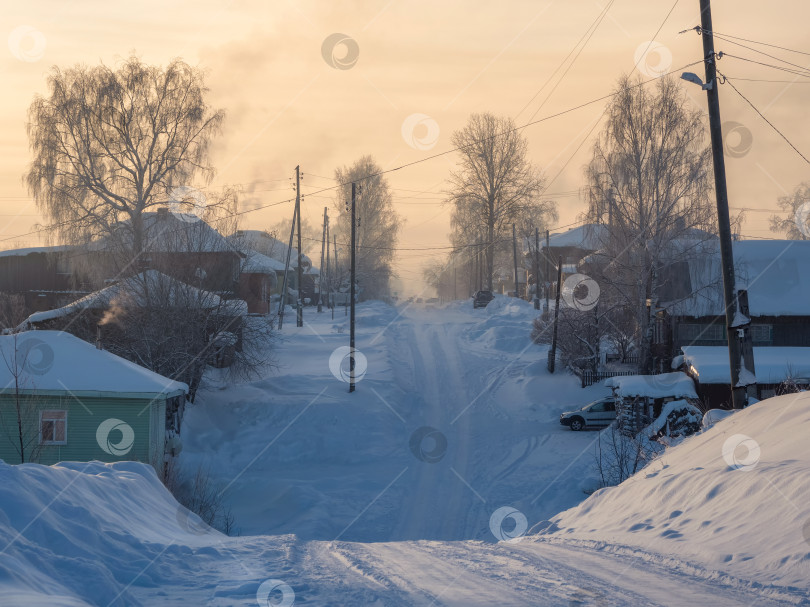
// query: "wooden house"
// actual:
[[185, 248], [709, 368], [774, 273], [62, 399]]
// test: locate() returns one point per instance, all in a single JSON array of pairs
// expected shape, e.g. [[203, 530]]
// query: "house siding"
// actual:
[[145, 417]]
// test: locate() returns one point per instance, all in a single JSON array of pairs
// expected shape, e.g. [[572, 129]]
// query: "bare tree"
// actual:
[[649, 181], [796, 226], [378, 225], [494, 187], [618, 456], [12, 310], [109, 145], [21, 423]]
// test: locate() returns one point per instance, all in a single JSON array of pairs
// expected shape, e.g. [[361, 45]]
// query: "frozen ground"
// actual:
[[338, 503]]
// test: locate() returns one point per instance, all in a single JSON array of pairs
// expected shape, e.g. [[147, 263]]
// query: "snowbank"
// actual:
[[733, 499], [79, 533]]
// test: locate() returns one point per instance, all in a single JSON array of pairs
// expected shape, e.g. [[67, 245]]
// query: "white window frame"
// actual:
[[44, 417]]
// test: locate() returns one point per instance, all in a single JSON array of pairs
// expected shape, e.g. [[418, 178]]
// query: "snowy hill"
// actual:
[[732, 499]]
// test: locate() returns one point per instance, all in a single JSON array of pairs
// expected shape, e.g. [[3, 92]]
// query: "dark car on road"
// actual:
[[482, 298]]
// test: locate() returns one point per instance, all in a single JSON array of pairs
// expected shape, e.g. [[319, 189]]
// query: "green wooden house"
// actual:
[[62, 399]]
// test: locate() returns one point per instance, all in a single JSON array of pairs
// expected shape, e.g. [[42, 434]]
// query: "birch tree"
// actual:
[[650, 185], [494, 186], [110, 144]]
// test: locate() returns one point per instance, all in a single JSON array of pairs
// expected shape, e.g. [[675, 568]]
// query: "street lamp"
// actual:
[[695, 79]]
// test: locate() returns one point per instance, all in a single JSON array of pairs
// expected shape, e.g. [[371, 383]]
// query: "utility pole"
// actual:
[[283, 299], [552, 355], [743, 330], [546, 275], [536, 269], [351, 289], [738, 394], [299, 316], [337, 271], [320, 270], [514, 255], [328, 273]]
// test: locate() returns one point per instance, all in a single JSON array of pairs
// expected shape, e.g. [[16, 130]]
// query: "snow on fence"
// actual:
[[589, 378]]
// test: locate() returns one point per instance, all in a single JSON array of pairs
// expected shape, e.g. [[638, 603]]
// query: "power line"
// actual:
[[774, 81], [770, 65], [761, 115], [698, 29], [593, 26], [414, 162], [750, 48]]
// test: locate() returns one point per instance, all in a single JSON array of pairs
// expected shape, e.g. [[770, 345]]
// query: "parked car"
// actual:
[[598, 414], [482, 298], [432, 300], [418, 300]]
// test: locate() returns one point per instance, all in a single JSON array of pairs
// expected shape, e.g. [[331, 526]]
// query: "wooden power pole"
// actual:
[[552, 354], [546, 275], [351, 290], [299, 316], [283, 299], [514, 255], [738, 393], [324, 244], [536, 269]]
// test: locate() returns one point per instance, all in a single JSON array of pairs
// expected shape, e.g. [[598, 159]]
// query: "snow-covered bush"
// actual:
[[678, 418]]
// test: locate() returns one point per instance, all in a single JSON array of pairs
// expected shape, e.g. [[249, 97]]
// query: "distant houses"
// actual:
[[265, 254], [709, 367], [773, 272], [62, 399], [247, 265]]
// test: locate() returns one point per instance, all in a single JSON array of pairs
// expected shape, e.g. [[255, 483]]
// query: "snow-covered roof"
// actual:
[[165, 232], [774, 272], [269, 246], [677, 385], [261, 264], [55, 361], [709, 364], [135, 291], [30, 250], [586, 237]]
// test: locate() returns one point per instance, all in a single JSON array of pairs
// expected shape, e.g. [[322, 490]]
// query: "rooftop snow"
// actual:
[[773, 271], [58, 361], [259, 263], [262, 242], [165, 232], [584, 237], [677, 385], [772, 365], [133, 290], [31, 250]]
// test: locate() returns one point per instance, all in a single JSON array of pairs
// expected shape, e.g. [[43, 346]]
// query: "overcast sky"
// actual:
[[409, 75]]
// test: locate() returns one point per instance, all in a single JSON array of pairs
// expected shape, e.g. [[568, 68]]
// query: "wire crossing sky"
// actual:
[[322, 84]]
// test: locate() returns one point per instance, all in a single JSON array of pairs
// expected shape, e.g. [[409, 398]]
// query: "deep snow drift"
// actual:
[[732, 498]]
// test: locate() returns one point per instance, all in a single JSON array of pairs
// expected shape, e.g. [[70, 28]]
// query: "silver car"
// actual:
[[598, 414]]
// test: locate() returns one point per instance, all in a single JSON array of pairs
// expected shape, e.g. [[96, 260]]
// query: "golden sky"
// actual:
[[420, 68]]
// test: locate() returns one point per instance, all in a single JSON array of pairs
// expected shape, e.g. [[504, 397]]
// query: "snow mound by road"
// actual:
[[80, 533], [733, 498]]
